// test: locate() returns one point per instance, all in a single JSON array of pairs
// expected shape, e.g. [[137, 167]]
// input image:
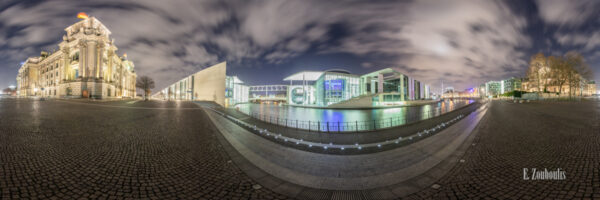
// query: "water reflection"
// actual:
[[345, 119]]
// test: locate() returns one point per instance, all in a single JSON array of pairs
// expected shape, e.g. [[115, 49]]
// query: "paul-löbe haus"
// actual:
[[331, 88], [86, 65]]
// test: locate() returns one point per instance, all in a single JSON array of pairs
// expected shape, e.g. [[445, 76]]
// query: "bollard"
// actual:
[[356, 127], [296, 124], [338, 126], [308, 125], [328, 127]]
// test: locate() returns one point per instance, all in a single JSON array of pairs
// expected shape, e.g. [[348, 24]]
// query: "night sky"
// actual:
[[463, 43]]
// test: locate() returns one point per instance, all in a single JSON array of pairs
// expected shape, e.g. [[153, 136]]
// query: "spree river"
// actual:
[[347, 119]]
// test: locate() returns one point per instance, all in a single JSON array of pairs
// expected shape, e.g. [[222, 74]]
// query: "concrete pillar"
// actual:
[[380, 83], [402, 86]]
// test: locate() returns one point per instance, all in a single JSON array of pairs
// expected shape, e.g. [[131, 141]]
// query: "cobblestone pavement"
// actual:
[[534, 135], [72, 149]]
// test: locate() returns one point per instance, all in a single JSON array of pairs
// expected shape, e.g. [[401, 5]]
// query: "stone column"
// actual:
[[81, 66], [65, 64], [99, 54], [91, 58], [109, 55]]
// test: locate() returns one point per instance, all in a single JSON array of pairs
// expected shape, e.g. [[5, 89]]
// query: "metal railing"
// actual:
[[351, 126], [278, 136]]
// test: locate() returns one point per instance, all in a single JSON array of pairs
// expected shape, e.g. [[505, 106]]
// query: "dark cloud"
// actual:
[[461, 42]]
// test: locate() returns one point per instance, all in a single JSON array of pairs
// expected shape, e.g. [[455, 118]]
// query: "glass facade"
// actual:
[[301, 95], [387, 99], [338, 86], [235, 91], [334, 87], [391, 81], [511, 84], [493, 88]]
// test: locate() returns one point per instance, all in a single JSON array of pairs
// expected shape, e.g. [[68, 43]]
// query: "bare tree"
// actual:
[[145, 83], [538, 72], [579, 72], [8, 91], [559, 72]]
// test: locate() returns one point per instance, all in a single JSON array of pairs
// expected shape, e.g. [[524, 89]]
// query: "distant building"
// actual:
[[386, 87], [235, 91], [467, 93], [322, 88], [493, 88], [449, 89], [315, 88], [389, 80], [539, 79], [511, 84], [590, 88]]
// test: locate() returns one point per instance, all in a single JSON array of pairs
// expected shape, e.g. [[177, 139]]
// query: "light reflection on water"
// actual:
[[410, 113]]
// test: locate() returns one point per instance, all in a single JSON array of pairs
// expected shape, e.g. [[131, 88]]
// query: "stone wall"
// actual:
[[75, 89]]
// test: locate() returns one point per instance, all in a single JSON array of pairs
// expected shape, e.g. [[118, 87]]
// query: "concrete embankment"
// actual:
[[382, 175]]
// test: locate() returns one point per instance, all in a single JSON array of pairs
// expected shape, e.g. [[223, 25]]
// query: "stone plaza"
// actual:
[[70, 149]]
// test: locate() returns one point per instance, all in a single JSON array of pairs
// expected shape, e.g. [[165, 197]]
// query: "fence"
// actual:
[[331, 145], [351, 126]]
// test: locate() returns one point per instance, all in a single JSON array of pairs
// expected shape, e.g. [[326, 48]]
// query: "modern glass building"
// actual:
[[511, 84], [322, 88], [335, 86], [268, 93], [302, 88], [309, 88], [493, 88], [385, 87], [392, 86], [235, 91], [301, 95]]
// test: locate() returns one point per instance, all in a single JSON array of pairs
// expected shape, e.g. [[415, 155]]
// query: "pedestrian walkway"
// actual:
[[388, 174]]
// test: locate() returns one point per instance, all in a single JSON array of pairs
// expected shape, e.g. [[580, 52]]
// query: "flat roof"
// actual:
[[304, 75]]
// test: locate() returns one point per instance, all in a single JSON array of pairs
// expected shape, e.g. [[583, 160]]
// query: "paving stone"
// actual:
[[535, 135], [113, 150]]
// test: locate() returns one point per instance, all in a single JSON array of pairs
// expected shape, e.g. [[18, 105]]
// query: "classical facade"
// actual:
[[540, 79], [86, 65]]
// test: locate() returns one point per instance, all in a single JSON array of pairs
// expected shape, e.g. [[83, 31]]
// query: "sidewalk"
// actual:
[[383, 175]]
